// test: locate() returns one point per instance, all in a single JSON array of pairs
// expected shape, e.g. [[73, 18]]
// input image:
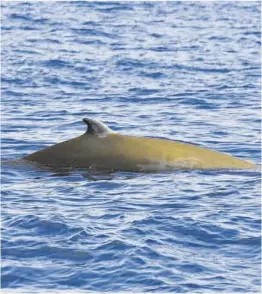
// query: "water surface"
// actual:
[[188, 71]]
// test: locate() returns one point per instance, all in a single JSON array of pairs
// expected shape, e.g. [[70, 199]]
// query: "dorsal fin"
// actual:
[[97, 128]]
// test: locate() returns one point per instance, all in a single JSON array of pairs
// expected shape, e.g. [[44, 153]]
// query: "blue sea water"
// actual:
[[187, 71]]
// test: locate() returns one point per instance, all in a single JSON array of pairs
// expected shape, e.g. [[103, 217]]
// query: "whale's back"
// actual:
[[121, 152]]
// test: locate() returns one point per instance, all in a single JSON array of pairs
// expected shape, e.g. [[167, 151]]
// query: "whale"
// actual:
[[102, 148]]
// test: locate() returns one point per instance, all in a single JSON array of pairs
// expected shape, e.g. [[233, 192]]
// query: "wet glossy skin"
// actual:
[[120, 152]]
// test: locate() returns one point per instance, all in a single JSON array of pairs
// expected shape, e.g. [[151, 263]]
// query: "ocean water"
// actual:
[[186, 71]]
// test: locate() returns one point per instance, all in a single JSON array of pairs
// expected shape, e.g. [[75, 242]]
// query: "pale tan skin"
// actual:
[[100, 148]]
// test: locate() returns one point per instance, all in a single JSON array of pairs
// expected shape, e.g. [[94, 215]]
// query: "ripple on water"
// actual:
[[175, 70]]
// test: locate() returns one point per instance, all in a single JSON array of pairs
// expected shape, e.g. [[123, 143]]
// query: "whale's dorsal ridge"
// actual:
[[97, 128]]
